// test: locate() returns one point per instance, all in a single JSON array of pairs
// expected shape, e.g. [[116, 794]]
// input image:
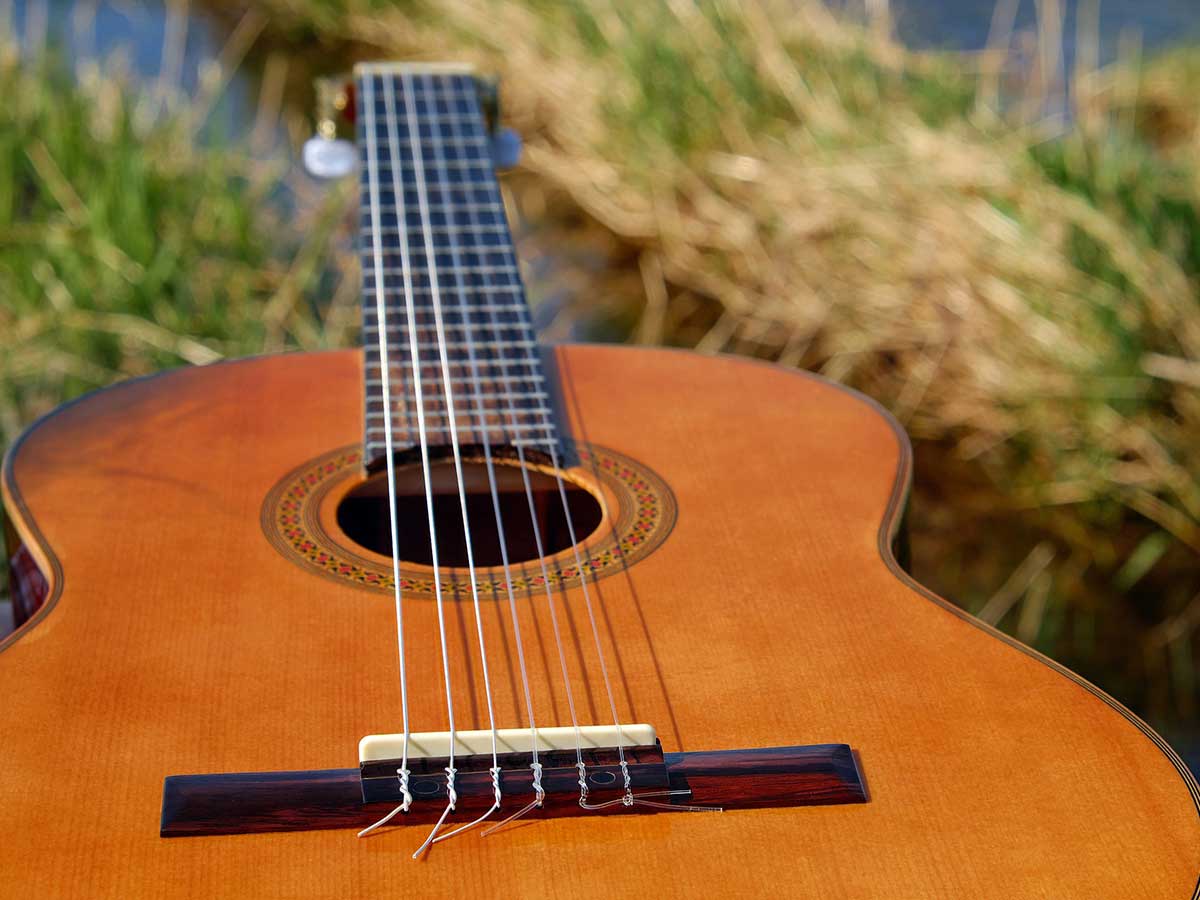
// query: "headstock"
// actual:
[[331, 152]]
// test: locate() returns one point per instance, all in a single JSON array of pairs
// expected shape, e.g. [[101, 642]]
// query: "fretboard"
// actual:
[[438, 259]]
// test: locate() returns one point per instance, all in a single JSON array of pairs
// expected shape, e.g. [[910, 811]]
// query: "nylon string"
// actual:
[[385, 379], [628, 797], [441, 169], [488, 276], [483, 432], [507, 393], [448, 394]]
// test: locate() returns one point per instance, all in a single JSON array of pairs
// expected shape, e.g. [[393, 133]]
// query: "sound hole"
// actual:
[[363, 517]]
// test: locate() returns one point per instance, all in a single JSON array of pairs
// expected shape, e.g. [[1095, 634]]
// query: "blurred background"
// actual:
[[985, 214]]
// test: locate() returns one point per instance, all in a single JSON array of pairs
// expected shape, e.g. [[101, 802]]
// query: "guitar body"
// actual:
[[182, 635]]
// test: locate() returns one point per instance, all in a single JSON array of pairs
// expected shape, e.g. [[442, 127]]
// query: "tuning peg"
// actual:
[[506, 148], [329, 157], [326, 155]]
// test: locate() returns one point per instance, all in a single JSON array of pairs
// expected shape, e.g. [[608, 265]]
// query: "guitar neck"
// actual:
[[448, 340]]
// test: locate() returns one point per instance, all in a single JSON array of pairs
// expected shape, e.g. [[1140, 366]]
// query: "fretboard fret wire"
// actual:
[[469, 256], [468, 427], [539, 416], [487, 194], [516, 395], [471, 328], [450, 230], [477, 309], [485, 292], [467, 269], [483, 164], [505, 344], [491, 206], [511, 368]]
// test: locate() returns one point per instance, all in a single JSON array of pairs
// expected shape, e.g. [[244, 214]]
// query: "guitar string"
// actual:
[[419, 404], [459, 144], [407, 89], [628, 798], [381, 316], [508, 393], [475, 401], [587, 601]]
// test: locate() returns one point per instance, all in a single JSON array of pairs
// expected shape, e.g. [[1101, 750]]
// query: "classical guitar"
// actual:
[[458, 615]]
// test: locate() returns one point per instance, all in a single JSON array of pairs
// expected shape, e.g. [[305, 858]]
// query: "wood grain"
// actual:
[[179, 640]]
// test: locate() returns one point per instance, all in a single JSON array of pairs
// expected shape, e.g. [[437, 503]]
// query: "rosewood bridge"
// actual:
[[257, 802]]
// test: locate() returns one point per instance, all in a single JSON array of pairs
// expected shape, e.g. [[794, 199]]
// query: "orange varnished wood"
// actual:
[[180, 641]]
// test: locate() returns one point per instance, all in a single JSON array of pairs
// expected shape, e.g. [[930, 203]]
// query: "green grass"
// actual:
[[130, 247]]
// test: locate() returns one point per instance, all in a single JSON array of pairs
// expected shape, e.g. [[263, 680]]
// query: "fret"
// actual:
[[472, 334], [481, 165], [375, 448], [468, 269], [540, 411], [462, 244], [474, 309], [484, 228], [489, 203], [533, 377], [491, 413], [430, 120], [475, 402], [461, 345], [478, 336], [373, 372], [481, 364], [458, 380], [519, 427], [478, 346], [457, 358], [395, 319], [490, 208], [432, 363], [488, 187], [420, 293], [506, 395], [464, 141], [463, 248]]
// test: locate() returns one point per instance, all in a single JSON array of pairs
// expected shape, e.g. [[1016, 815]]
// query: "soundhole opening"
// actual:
[[362, 514]]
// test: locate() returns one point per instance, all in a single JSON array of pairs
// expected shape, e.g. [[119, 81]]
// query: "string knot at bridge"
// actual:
[[583, 785], [451, 793], [539, 792], [405, 792]]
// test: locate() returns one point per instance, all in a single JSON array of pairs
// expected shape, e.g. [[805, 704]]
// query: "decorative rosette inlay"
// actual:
[[641, 519]]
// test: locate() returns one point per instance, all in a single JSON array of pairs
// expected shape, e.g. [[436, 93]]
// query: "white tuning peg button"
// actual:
[[329, 158]]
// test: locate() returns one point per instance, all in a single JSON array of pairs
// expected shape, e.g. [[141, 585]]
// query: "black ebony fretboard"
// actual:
[[428, 184]]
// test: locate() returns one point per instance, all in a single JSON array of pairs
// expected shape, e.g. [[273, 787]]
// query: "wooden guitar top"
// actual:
[[180, 637]]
